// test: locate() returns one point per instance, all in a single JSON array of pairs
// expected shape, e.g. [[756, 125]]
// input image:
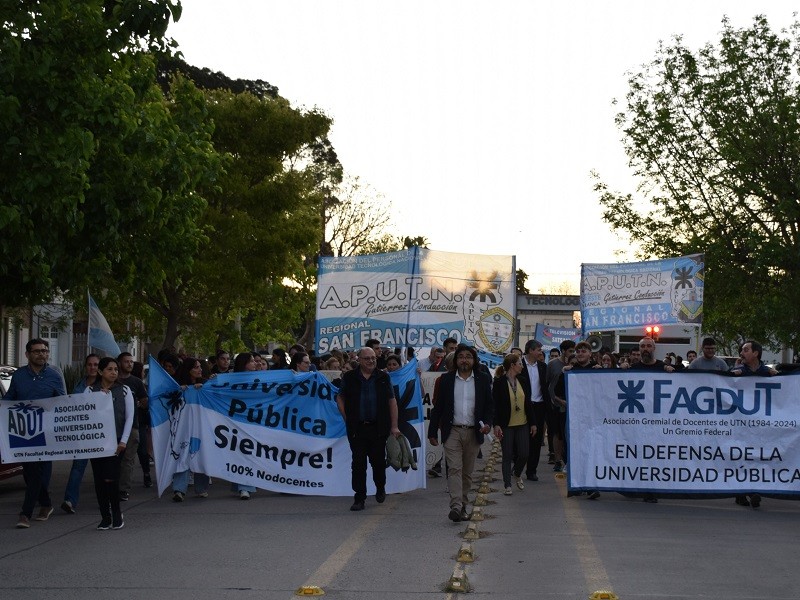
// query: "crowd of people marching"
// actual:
[[527, 412]]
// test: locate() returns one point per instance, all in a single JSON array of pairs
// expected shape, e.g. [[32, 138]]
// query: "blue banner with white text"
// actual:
[[276, 430], [655, 292]]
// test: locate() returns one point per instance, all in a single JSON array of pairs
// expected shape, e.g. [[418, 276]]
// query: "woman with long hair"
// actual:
[[607, 361], [106, 468], [243, 362], [514, 418], [190, 373]]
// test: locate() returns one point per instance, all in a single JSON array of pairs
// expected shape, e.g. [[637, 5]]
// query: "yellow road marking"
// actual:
[[328, 570], [594, 572]]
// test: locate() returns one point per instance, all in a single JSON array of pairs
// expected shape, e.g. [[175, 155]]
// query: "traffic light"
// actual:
[[652, 331]]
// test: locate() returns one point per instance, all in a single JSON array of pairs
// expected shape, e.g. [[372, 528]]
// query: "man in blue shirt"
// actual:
[[35, 381]]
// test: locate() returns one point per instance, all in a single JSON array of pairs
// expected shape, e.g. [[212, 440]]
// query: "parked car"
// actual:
[[7, 469], [5, 379]]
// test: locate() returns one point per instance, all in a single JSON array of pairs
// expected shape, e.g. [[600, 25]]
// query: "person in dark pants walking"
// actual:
[[369, 409], [35, 381]]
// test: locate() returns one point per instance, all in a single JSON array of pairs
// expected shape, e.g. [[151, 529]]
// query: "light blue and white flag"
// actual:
[[100, 335], [276, 430]]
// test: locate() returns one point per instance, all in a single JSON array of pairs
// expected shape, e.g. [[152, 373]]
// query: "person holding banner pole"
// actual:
[[368, 406], [514, 418], [648, 362], [750, 353], [35, 381], [190, 373], [106, 469], [244, 361], [583, 362]]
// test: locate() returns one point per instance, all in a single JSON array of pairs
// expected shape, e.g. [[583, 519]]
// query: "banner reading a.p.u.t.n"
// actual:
[[624, 295], [416, 297], [690, 432]]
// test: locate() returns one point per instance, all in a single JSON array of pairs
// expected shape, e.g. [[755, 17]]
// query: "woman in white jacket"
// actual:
[[106, 468]]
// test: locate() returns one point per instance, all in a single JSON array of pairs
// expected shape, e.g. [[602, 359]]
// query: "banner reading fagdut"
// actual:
[[276, 430], [683, 432], [624, 295], [60, 428], [416, 297]]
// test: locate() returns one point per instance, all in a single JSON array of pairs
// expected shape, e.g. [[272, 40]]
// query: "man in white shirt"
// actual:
[[534, 370], [464, 414]]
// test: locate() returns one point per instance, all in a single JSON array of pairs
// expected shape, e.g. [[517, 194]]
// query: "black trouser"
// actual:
[[535, 448], [367, 443], [37, 481], [142, 452], [106, 484]]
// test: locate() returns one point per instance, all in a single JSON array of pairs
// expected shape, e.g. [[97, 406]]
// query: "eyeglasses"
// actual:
[[368, 359], [39, 351]]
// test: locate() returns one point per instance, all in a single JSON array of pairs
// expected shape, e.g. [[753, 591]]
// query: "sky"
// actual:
[[480, 122]]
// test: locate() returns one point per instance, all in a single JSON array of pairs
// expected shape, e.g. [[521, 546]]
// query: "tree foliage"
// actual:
[[522, 280], [91, 151], [714, 136]]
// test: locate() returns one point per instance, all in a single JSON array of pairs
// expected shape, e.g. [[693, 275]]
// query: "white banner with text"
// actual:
[[686, 432], [60, 428]]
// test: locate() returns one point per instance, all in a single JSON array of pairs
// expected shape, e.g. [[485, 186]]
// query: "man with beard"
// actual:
[[750, 353], [648, 362], [463, 413]]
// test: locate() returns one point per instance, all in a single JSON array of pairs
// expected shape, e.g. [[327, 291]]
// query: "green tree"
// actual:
[[260, 223], [522, 279], [80, 121], [714, 136]]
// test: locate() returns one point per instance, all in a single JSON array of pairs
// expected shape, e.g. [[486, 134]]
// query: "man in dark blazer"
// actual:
[[534, 375], [464, 414]]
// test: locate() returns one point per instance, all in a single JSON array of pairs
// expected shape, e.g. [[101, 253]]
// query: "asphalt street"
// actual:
[[536, 543]]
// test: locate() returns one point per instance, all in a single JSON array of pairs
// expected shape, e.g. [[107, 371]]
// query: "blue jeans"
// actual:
[[180, 482], [73, 491], [238, 487]]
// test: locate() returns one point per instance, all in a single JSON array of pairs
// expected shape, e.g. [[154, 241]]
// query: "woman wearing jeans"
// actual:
[[514, 418], [189, 373]]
